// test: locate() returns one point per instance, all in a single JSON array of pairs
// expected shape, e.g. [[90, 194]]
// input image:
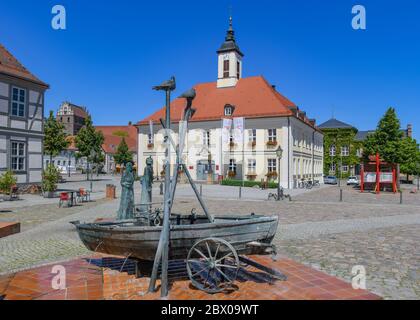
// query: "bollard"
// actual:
[[161, 189], [240, 192], [401, 197], [341, 195], [201, 190]]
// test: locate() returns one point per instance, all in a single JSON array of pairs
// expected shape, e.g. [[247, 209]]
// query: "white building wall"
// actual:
[[296, 162]]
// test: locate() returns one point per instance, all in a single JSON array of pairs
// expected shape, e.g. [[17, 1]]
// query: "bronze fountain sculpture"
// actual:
[[213, 248]]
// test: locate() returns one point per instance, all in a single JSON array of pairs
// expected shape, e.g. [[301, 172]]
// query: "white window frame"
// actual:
[[232, 165], [17, 165], [345, 168], [252, 135], [272, 165], [333, 150], [150, 138], [272, 135], [345, 151], [333, 168], [18, 102], [252, 166]]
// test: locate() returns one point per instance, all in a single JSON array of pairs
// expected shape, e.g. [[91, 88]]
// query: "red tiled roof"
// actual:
[[252, 97], [11, 66], [112, 140]]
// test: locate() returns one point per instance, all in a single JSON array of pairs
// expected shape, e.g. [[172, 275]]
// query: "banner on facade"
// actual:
[[238, 132], [226, 129], [151, 128]]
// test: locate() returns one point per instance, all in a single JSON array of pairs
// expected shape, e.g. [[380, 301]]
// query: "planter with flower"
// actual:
[[272, 143], [251, 176], [272, 175], [231, 174]]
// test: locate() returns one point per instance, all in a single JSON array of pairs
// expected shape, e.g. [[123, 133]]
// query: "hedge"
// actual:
[[247, 184]]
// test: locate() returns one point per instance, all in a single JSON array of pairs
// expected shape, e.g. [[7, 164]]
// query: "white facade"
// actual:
[[251, 159], [21, 128]]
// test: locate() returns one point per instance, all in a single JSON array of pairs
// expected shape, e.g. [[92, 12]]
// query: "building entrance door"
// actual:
[[203, 168]]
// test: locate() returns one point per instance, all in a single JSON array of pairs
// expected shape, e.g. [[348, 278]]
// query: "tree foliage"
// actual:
[[123, 154], [410, 154], [339, 138], [88, 140], [388, 140], [50, 178], [89, 143], [55, 139], [120, 133], [7, 180]]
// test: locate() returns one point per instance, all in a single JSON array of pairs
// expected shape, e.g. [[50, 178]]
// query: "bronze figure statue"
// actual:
[[146, 182], [126, 210]]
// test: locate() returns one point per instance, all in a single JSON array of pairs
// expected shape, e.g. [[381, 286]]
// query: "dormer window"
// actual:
[[228, 110]]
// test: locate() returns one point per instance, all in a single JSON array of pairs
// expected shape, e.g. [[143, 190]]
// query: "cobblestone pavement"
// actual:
[[315, 229], [32, 216], [390, 256], [352, 195]]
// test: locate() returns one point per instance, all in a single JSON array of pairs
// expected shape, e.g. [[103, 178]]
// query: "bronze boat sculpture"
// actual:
[[211, 246]]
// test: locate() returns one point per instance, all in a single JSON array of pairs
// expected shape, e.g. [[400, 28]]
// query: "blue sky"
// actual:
[[113, 52]]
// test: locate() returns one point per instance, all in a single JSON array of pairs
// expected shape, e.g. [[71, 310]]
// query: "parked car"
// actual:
[[330, 180], [352, 181], [64, 169]]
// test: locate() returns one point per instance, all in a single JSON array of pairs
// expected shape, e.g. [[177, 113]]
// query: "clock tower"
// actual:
[[229, 61]]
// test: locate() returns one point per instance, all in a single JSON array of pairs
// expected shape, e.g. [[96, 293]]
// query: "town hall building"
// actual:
[[269, 120]]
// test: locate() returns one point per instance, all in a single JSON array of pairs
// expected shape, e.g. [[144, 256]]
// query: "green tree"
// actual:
[[55, 139], [123, 154], [7, 180], [410, 156], [50, 178], [120, 133], [387, 139], [89, 143]]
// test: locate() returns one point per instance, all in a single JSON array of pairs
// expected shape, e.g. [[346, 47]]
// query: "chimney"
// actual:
[[273, 86], [312, 122], [130, 123], [409, 130]]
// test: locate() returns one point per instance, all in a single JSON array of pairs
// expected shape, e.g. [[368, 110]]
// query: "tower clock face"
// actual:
[[226, 57]]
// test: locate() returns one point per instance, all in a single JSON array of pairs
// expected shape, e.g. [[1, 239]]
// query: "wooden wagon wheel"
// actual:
[[212, 265]]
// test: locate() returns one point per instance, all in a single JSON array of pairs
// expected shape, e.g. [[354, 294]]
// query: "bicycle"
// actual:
[[282, 195]]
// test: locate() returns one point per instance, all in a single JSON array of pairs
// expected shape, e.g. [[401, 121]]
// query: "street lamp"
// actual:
[[92, 159], [279, 154]]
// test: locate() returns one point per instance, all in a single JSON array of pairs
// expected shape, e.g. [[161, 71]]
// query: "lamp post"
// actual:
[[279, 154], [69, 163], [92, 159]]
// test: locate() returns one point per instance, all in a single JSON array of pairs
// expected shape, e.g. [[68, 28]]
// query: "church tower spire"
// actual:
[[229, 60]]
